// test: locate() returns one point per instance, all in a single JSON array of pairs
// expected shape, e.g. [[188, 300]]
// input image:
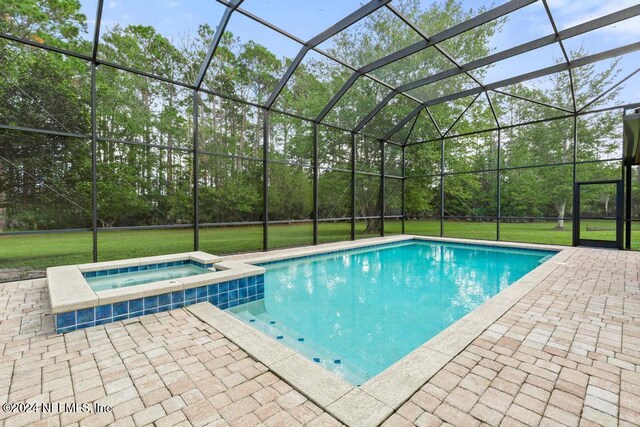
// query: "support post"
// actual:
[[576, 214], [576, 221], [404, 179], [382, 187], [619, 214], [353, 186], [442, 187], [196, 176], [94, 165], [627, 207], [94, 133], [265, 180], [315, 183], [498, 189]]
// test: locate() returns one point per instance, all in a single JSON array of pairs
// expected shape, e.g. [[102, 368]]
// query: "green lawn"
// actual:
[[43, 250], [38, 251]]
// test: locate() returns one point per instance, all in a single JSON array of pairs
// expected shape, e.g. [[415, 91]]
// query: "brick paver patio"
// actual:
[[164, 369], [567, 354]]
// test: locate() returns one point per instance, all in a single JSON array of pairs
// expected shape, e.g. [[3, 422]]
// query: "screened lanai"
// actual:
[[142, 128]]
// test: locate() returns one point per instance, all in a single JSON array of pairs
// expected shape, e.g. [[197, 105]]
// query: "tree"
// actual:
[[43, 90], [53, 22], [148, 185], [382, 33], [552, 142]]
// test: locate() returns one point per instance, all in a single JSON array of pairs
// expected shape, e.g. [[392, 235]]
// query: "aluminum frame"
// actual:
[[234, 6]]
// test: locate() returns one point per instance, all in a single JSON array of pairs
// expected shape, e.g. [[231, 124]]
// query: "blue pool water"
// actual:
[[125, 279], [359, 312]]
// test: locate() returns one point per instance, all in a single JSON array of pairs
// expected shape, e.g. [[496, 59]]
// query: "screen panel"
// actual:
[[44, 90], [45, 185], [230, 190]]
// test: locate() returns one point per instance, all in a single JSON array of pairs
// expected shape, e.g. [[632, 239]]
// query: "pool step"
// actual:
[[545, 259], [293, 339]]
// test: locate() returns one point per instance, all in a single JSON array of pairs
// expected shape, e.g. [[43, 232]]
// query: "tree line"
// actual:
[[45, 179]]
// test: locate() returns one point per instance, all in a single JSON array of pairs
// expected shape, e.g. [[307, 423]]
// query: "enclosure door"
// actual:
[[598, 214]]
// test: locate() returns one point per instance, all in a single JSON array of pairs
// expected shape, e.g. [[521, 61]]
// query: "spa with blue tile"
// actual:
[[223, 295]]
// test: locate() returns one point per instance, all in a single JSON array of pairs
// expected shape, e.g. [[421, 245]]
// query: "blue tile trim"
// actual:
[[86, 315], [201, 291], [120, 308], [112, 271], [66, 320], [164, 299], [223, 295], [136, 305], [150, 302], [104, 312], [404, 242], [190, 294]]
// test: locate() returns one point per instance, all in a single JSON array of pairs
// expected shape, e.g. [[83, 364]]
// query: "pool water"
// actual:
[[358, 312], [122, 280]]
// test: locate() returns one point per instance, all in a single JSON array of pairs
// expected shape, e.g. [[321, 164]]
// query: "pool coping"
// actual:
[[375, 400], [69, 290]]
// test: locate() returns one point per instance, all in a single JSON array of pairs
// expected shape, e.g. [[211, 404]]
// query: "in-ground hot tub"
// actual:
[[93, 294], [147, 273]]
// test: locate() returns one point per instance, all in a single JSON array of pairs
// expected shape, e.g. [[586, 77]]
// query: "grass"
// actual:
[[38, 251]]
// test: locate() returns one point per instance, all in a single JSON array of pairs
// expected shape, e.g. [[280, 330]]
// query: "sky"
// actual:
[[306, 18]]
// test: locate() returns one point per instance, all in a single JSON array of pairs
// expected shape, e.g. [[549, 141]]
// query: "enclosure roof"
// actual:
[[385, 67]]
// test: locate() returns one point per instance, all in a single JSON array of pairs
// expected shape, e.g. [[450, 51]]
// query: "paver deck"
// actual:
[[568, 353]]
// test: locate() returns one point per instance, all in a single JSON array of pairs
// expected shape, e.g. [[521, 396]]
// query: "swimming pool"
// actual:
[[358, 312]]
